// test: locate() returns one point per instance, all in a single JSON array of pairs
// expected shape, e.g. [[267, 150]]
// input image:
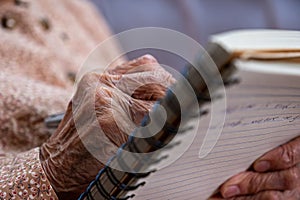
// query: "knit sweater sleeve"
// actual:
[[22, 177]]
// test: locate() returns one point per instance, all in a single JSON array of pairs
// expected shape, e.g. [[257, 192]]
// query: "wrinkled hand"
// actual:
[[119, 98], [276, 175]]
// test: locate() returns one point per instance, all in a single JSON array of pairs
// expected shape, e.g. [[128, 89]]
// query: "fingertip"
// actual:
[[235, 185], [262, 166], [149, 57], [230, 191]]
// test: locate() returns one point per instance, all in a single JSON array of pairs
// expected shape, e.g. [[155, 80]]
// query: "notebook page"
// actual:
[[260, 39], [263, 111]]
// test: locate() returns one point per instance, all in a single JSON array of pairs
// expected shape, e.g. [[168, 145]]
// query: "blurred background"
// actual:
[[198, 18]]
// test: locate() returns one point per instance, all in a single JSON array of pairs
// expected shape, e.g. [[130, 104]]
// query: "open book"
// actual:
[[263, 111]]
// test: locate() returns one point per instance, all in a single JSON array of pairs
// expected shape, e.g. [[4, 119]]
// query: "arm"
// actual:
[[120, 99]]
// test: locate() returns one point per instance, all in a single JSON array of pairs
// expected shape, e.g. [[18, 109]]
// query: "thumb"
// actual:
[[282, 157]]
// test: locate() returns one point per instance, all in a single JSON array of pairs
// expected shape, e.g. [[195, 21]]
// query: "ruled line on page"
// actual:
[[262, 113], [189, 185], [220, 149], [196, 169]]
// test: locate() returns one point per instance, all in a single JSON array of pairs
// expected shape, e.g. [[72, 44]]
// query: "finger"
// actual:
[[265, 195], [143, 78], [141, 64], [282, 157], [252, 182], [138, 109], [132, 109], [150, 85]]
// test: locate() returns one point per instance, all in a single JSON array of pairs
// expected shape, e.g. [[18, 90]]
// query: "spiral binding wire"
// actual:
[[115, 181], [221, 58]]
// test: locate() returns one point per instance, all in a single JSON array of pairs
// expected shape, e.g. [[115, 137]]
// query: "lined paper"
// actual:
[[263, 111]]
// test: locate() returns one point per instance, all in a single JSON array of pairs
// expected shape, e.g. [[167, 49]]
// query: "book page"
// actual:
[[263, 111], [261, 39]]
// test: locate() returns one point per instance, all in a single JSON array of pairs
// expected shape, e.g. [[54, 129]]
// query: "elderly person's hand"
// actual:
[[276, 175], [120, 98]]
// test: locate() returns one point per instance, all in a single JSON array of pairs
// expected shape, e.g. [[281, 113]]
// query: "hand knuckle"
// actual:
[[287, 155], [255, 182]]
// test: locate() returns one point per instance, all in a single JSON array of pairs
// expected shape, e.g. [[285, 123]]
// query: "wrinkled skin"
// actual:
[[275, 176], [121, 97]]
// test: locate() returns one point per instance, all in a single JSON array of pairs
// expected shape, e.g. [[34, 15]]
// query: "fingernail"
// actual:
[[231, 191], [262, 166]]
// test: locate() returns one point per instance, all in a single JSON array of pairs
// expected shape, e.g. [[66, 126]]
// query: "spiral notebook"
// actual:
[[262, 111]]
